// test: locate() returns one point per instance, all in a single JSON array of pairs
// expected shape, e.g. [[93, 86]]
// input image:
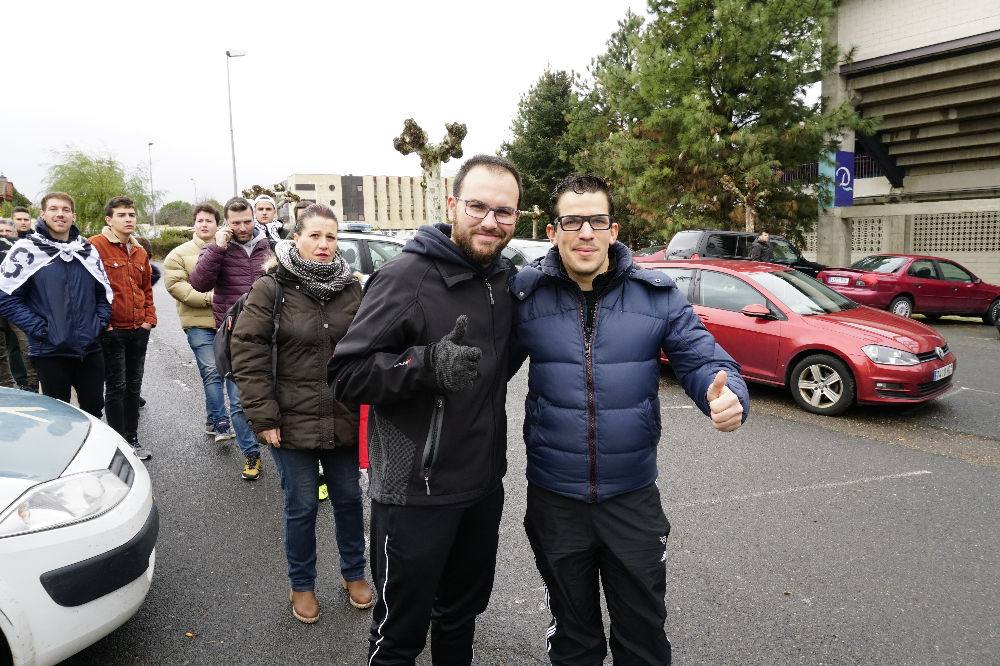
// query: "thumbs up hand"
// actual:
[[725, 408]]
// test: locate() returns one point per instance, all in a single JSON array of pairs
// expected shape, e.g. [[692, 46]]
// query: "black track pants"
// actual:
[[619, 544], [431, 565]]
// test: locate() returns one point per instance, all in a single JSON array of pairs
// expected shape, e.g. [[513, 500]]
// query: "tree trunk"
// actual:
[[751, 217], [432, 193]]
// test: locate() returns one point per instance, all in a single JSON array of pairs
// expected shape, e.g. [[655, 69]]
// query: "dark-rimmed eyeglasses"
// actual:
[[575, 222], [503, 215]]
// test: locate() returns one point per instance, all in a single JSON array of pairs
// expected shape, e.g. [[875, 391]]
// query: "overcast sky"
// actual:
[[324, 87]]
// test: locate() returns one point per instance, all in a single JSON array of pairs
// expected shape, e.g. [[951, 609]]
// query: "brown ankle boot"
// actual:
[[305, 606], [359, 593]]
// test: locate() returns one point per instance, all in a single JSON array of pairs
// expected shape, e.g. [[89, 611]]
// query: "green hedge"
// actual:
[[168, 239]]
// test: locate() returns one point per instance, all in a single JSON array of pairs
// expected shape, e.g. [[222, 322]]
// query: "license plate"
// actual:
[[941, 373], [836, 279]]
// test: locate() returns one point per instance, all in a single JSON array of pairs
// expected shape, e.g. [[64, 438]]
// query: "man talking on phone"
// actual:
[[228, 267]]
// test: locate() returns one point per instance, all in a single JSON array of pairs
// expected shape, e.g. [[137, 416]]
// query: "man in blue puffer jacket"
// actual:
[[593, 325], [53, 287]]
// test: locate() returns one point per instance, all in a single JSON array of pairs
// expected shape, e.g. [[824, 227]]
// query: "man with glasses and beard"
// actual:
[[594, 324], [428, 350]]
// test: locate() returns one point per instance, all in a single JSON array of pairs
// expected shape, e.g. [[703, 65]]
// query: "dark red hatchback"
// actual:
[[908, 283], [787, 329]]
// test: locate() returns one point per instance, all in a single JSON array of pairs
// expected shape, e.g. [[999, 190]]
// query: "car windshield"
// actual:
[[784, 252], [877, 264], [802, 294], [683, 242]]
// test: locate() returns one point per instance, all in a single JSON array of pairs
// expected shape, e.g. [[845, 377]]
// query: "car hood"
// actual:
[[39, 437], [879, 326]]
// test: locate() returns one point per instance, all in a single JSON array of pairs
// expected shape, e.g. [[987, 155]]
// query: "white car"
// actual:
[[366, 252], [78, 530], [523, 251]]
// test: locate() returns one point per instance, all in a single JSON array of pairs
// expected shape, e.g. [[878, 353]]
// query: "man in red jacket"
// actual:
[[228, 267], [133, 315]]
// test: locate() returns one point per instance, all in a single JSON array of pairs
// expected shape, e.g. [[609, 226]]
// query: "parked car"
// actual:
[[909, 283], [78, 530], [715, 244], [522, 251], [787, 329], [366, 253]]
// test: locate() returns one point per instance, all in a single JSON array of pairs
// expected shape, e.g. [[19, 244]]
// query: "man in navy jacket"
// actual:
[[593, 325], [53, 286]]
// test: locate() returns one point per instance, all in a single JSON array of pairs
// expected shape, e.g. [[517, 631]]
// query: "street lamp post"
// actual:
[[195, 191], [152, 192], [235, 53]]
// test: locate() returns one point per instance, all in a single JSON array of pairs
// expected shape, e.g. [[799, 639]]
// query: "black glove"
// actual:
[[455, 365]]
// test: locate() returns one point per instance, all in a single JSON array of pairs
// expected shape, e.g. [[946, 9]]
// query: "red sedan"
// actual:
[[909, 283], [787, 329]]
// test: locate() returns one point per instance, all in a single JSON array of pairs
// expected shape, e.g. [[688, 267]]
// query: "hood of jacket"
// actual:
[[434, 241]]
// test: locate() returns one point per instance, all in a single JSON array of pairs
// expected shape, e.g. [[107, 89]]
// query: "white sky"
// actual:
[[324, 88]]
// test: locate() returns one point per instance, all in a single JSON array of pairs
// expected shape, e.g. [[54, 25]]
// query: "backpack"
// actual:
[[224, 335]]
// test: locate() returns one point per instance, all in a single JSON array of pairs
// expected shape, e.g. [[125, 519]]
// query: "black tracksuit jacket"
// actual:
[[427, 446]]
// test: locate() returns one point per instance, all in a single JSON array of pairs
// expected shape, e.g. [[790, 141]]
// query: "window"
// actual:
[[923, 268], [683, 244], [382, 251], [361, 188], [784, 253], [348, 249], [681, 277], [877, 264], [802, 294], [726, 292], [722, 245], [953, 273], [361, 217], [306, 187]]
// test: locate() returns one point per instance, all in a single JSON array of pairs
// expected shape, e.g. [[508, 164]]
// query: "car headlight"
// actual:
[[64, 501], [889, 356]]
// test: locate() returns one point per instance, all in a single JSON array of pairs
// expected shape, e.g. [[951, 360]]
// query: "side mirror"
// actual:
[[757, 311]]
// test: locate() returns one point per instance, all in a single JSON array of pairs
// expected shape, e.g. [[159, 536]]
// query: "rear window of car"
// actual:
[[683, 243], [877, 264]]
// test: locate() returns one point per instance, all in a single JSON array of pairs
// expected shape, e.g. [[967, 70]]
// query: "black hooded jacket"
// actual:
[[427, 446], [761, 251]]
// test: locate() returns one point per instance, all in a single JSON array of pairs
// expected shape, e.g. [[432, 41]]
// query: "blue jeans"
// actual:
[[299, 479], [245, 436], [201, 341]]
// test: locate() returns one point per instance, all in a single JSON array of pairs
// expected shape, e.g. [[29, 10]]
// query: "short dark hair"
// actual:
[[4, 221], [313, 210], [492, 162], [20, 209], [117, 202], [237, 204], [579, 183], [59, 195], [205, 208]]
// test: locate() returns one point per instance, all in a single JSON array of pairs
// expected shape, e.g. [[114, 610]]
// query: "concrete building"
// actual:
[[930, 69], [386, 202]]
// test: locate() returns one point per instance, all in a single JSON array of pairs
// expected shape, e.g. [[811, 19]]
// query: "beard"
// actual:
[[463, 239]]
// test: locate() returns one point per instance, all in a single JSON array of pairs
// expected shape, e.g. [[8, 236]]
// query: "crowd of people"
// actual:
[[429, 345]]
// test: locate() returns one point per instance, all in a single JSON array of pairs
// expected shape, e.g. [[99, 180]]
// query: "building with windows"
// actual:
[[386, 202], [928, 181]]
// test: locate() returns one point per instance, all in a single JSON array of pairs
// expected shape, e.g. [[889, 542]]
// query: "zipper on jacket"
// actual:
[[433, 438], [489, 289], [588, 351]]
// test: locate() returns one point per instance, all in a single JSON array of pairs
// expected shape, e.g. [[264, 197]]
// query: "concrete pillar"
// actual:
[[894, 234], [833, 230]]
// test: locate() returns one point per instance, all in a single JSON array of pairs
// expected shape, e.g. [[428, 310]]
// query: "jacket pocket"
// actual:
[[433, 442]]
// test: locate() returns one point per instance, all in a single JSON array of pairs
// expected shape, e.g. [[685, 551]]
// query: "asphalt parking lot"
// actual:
[[869, 538]]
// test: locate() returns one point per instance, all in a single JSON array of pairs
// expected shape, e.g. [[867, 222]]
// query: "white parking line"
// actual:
[[800, 489]]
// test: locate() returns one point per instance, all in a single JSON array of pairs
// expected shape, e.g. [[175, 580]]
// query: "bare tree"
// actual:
[[432, 156]]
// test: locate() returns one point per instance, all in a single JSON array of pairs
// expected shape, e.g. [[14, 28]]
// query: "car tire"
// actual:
[[902, 306], [822, 384], [992, 314]]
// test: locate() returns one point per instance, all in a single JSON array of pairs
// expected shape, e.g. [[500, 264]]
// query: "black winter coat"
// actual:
[[427, 446], [761, 251]]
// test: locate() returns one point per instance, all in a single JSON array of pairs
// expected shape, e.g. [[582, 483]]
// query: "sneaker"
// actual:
[[222, 431], [324, 491], [142, 402], [251, 470], [140, 452], [209, 428]]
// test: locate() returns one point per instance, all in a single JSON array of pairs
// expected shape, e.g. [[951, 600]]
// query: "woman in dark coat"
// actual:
[[296, 413]]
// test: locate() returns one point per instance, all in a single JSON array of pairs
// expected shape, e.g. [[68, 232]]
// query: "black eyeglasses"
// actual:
[[575, 222], [503, 215]]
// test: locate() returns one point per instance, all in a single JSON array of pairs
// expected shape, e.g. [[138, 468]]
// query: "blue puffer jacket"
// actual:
[[592, 415], [62, 308]]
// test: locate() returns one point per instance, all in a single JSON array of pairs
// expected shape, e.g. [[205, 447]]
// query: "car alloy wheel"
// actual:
[[901, 306], [822, 384], [992, 315]]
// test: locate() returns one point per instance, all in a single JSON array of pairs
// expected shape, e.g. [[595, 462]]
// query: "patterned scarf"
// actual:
[[29, 255], [321, 280]]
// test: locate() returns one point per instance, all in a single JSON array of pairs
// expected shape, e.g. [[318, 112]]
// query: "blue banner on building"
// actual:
[[839, 169]]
